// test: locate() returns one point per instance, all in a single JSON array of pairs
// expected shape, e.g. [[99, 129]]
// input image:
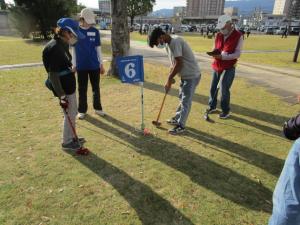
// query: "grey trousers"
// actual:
[[186, 93], [67, 135]]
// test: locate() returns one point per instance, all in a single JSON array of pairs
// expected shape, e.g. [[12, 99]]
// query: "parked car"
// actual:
[[261, 29], [280, 30], [145, 26], [165, 26], [269, 30], [184, 28], [295, 30], [136, 26], [192, 28]]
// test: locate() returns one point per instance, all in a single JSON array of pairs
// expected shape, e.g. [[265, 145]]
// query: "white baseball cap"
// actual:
[[88, 15], [222, 20]]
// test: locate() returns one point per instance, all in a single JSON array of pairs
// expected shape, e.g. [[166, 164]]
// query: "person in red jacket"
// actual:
[[227, 49]]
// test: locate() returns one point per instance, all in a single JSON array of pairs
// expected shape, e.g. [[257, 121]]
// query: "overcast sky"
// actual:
[[160, 4]]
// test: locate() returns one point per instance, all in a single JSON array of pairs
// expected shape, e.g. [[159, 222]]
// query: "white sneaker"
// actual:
[[81, 116], [100, 112]]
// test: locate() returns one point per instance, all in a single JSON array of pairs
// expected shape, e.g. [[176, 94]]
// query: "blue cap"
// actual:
[[71, 25]]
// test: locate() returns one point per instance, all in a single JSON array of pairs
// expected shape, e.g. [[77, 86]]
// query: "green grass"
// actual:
[[270, 42], [16, 50], [221, 173], [282, 59], [255, 42], [258, 43], [137, 37]]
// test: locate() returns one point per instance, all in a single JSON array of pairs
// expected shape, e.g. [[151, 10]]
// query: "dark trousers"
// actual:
[[83, 77], [226, 83]]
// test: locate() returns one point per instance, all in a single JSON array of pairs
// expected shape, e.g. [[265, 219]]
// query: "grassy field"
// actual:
[[258, 43], [220, 173], [16, 50]]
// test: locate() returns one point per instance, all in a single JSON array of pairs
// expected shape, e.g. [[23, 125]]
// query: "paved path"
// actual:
[[283, 82], [17, 66]]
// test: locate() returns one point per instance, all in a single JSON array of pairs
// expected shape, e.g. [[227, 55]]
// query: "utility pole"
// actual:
[[295, 11], [297, 50]]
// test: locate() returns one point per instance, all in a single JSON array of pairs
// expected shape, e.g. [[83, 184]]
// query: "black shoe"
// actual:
[[224, 115], [211, 110], [176, 130], [70, 146], [80, 139], [172, 121]]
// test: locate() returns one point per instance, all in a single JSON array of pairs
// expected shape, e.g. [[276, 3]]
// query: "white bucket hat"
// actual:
[[222, 20], [88, 15]]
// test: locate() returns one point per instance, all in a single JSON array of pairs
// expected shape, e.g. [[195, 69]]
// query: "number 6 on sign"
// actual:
[[130, 71]]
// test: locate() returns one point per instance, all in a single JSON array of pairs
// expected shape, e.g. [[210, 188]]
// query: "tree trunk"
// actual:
[[131, 20], [119, 33], [295, 59]]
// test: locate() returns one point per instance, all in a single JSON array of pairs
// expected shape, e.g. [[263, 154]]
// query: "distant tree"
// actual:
[[3, 5], [79, 8], [139, 7], [119, 33], [22, 20], [44, 13]]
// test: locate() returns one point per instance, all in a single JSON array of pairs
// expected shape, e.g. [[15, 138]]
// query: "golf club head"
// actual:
[[82, 151], [156, 123]]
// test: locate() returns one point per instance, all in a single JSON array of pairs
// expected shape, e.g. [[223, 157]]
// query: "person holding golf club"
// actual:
[[183, 63], [61, 79], [227, 50], [286, 196], [87, 61]]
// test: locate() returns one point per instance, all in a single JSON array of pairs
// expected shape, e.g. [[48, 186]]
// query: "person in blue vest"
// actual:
[[87, 61], [286, 196]]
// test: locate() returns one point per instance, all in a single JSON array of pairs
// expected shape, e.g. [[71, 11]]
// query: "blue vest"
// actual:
[[86, 53]]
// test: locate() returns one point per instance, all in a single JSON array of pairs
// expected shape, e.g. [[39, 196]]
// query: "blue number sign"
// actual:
[[131, 69]]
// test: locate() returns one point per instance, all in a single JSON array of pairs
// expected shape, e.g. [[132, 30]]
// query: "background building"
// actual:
[[294, 10], [179, 11], [281, 7], [5, 26], [104, 14], [105, 6], [204, 10], [288, 8], [231, 11]]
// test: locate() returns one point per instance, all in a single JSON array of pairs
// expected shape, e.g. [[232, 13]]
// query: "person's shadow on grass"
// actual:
[[251, 156], [149, 206], [221, 180]]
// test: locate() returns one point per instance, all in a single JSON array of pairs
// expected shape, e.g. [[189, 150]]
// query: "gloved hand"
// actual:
[[291, 128], [63, 101]]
